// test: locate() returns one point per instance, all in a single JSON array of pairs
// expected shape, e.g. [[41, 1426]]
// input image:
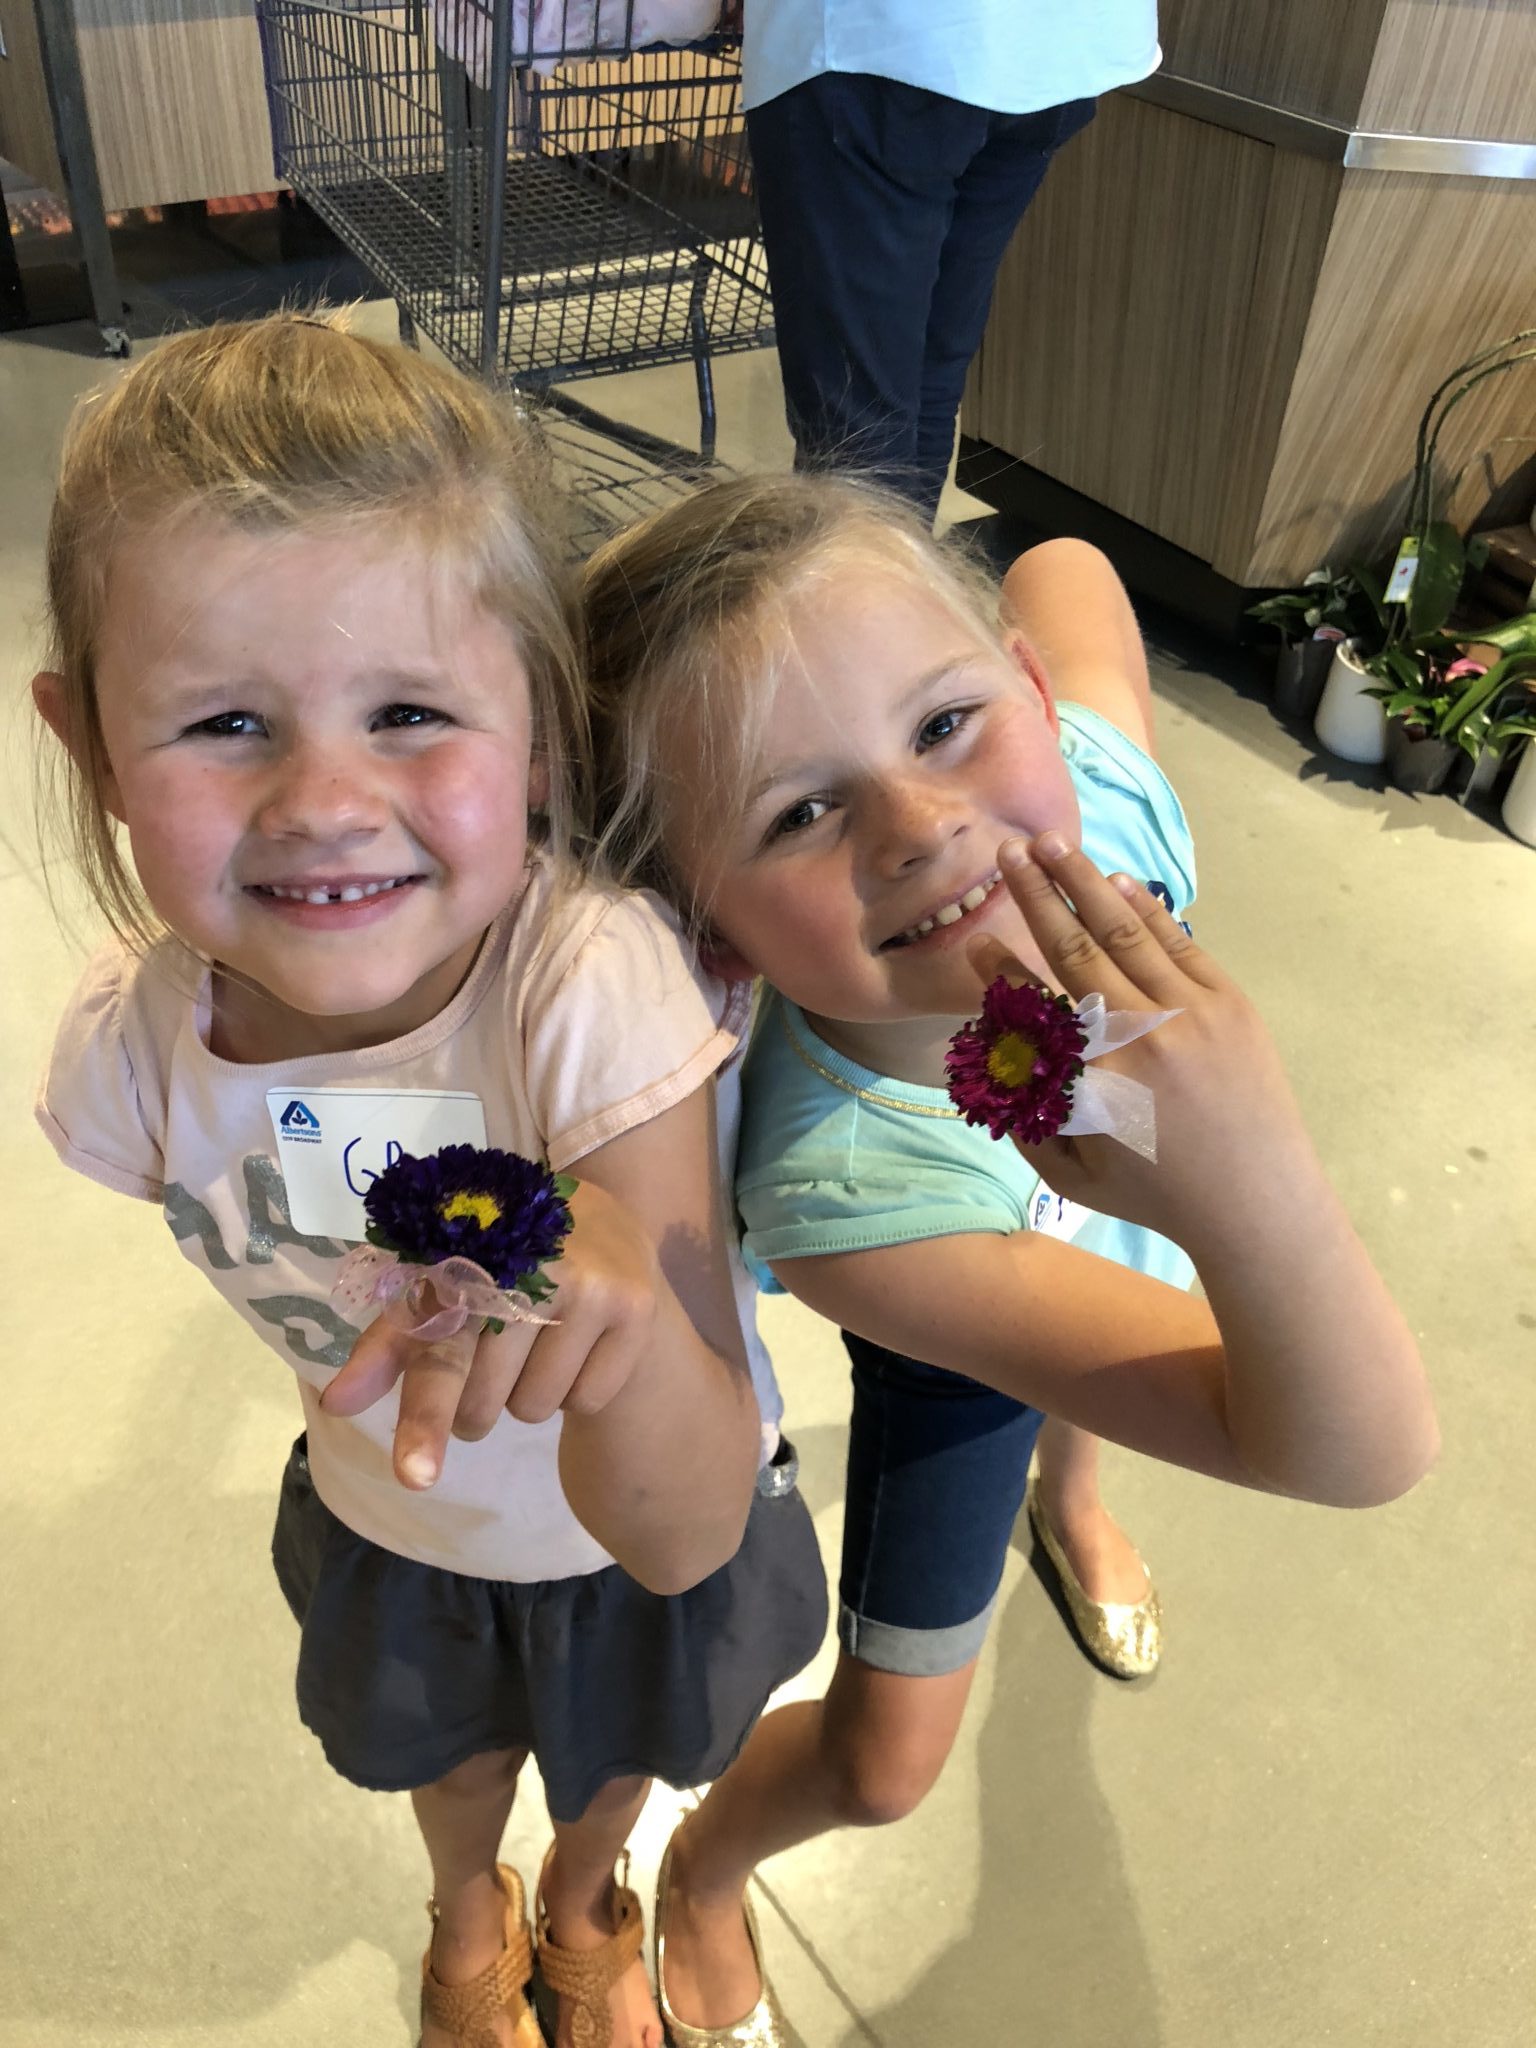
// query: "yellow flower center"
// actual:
[[1011, 1061], [485, 1209]]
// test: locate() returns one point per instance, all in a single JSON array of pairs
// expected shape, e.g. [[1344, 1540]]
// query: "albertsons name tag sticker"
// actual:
[[333, 1143], [1052, 1215]]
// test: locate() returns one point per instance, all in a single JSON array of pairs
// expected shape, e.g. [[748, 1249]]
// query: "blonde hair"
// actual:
[[291, 423], [689, 619]]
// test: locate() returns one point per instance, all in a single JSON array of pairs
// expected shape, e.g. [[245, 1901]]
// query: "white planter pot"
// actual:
[[1519, 807], [1349, 724]]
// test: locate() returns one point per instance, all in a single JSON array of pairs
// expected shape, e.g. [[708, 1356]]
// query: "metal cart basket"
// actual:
[[542, 199]]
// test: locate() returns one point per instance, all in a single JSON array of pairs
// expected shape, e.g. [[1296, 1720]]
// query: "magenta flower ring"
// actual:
[[1023, 1070]]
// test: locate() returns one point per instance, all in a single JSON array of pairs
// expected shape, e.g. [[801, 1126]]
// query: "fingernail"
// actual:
[[1013, 853], [1051, 846], [418, 1468], [1124, 884]]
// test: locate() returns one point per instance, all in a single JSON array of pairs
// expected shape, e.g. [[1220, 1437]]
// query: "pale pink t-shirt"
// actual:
[[584, 1017]]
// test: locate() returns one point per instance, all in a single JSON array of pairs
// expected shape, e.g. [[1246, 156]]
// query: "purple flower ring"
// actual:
[[464, 1232], [1014, 1070]]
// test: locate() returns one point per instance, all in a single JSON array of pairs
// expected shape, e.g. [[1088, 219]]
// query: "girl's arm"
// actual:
[[662, 1474], [1066, 599], [1301, 1376]]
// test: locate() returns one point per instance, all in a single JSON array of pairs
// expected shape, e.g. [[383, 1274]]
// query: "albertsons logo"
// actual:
[[300, 1123]]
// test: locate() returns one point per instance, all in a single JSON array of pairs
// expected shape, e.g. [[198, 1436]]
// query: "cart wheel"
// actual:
[[115, 342], [407, 325]]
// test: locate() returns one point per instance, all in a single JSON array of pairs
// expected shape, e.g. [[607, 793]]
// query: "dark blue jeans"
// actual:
[[886, 212], [937, 1467]]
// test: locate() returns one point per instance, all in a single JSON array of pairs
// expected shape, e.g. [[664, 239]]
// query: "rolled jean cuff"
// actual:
[[913, 1652]]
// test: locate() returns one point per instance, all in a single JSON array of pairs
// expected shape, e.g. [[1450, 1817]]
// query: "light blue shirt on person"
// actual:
[[835, 1157], [1010, 56]]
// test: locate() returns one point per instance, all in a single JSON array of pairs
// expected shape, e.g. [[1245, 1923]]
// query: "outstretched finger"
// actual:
[[378, 1358], [430, 1389], [1079, 963], [1172, 936]]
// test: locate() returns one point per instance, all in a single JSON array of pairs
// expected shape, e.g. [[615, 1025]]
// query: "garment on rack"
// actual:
[[545, 30]]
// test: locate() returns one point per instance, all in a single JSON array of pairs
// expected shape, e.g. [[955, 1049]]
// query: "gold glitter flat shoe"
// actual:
[[1124, 1639], [763, 2027]]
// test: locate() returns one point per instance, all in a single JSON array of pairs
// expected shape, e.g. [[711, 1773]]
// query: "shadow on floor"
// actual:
[[1049, 1875]]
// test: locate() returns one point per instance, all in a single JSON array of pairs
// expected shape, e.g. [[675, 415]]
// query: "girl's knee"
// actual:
[[876, 1781], [483, 1776]]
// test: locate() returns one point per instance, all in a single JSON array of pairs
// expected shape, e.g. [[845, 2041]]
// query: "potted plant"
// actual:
[[1519, 807], [1416, 686], [1311, 621], [1497, 708], [1433, 560], [1350, 720]]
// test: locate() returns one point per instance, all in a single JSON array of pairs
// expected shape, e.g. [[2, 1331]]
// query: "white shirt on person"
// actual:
[[1011, 56]]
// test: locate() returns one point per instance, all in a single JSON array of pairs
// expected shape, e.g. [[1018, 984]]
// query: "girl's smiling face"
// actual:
[[320, 745], [900, 751]]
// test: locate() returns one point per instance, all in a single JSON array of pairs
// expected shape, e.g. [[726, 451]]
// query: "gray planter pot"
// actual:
[[1300, 673], [1418, 761]]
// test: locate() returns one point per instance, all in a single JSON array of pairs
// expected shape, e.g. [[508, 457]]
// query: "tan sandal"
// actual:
[[586, 1976], [470, 2011]]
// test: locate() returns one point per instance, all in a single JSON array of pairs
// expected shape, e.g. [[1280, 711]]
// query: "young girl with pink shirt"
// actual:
[[315, 653]]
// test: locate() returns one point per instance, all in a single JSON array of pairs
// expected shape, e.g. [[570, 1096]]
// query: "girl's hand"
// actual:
[[609, 1283], [1229, 1134]]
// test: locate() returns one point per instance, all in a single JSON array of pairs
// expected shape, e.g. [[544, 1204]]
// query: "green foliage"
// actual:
[[1322, 599], [1473, 717], [1437, 585]]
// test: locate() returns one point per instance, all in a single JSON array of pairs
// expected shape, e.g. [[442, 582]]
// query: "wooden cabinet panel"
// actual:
[[26, 119], [1417, 278], [1147, 319], [1444, 67], [178, 106], [1311, 56]]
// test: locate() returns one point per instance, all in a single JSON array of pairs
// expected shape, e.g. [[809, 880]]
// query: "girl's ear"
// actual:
[[1030, 666], [538, 782], [722, 959], [50, 695]]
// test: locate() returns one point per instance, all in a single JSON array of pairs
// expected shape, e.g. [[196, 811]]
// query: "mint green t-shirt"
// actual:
[[835, 1157]]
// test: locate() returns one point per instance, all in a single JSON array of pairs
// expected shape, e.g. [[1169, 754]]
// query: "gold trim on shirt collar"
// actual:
[[865, 1094]]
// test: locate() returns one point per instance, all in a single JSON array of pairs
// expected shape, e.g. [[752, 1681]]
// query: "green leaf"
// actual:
[[536, 1287], [1481, 691], [1372, 588], [565, 1186], [1515, 636], [1405, 700], [1437, 585]]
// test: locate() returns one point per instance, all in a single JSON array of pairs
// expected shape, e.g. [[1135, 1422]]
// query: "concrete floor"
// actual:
[[1313, 1826]]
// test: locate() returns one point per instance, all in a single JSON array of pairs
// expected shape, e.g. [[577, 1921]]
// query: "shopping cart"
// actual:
[[543, 198]]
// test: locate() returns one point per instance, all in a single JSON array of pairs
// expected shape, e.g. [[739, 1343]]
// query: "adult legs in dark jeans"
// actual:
[[886, 212]]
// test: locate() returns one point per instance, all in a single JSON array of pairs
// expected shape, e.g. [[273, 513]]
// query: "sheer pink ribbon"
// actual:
[[427, 1302]]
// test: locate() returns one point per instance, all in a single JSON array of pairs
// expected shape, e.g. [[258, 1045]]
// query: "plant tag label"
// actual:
[[333, 1143], [1404, 569]]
